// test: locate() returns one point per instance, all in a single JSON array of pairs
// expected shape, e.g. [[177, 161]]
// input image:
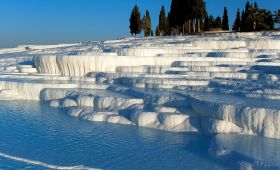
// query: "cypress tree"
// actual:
[[255, 16], [211, 22], [167, 30], [242, 26], [135, 21], [225, 20], [172, 15], [218, 22], [256, 5], [147, 24], [143, 23], [206, 23], [162, 21], [157, 31], [237, 22], [248, 21]]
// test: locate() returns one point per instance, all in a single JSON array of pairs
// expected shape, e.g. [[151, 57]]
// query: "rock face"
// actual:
[[67, 65], [212, 84]]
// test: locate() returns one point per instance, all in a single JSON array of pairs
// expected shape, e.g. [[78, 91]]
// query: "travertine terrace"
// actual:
[[210, 84]]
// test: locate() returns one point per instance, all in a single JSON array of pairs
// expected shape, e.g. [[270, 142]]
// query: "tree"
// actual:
[[152, 33], [218, 22], [237, 22], [256, 19], [276, 16], [147, 24], [135, 21], [206, 24], [187, 12], [167, 30], [256, 5], [180, 13], [162, 21], [246, 19], [157, 31], [264, 20], [175, 31], [255, 16], [198, 13], [225, 20], [242, 26], [211, 22]]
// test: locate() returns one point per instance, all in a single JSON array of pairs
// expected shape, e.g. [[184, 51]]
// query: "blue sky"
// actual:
[[66, 21]]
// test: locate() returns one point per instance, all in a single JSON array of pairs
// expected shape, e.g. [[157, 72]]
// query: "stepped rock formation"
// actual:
[[212, 84]]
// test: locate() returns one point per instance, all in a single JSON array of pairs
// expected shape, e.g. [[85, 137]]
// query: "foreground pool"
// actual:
[[34, 136]]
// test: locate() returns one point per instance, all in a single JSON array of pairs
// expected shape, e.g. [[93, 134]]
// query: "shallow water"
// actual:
[[35, 132]]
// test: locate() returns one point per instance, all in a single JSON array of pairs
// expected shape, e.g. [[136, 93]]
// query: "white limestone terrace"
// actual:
[[210, 84]]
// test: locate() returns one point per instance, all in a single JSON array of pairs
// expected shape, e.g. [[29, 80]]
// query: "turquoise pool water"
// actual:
[[31, 131]]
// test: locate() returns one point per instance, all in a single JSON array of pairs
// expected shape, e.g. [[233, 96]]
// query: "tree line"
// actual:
[[191, 16]]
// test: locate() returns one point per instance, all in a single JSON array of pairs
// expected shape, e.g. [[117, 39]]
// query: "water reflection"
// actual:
[[34, 131], [261, 153]]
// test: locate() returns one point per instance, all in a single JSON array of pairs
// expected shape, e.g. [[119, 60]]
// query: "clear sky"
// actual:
[[66, 21]]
